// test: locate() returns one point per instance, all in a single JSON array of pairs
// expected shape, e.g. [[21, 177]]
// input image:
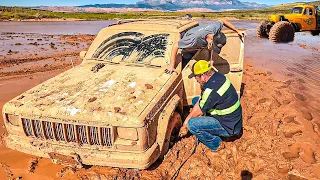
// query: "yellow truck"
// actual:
[[118, 107], [281, 28]]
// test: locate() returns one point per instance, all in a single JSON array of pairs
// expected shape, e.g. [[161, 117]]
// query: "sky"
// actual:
[[84, 2]]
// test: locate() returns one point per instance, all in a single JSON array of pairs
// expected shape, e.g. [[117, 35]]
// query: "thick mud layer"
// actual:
[[281, 122]]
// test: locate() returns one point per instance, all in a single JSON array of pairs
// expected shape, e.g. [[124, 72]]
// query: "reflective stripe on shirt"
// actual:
[[221, 91], [225, 111]]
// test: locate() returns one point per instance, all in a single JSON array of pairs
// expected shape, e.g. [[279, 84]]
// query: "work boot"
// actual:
[[222, 146], [215, 154]]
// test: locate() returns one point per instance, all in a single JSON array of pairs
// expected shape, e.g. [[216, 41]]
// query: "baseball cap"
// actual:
[[219, 40]]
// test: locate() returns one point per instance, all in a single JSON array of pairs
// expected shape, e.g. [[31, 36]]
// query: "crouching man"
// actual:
[[217, 113]]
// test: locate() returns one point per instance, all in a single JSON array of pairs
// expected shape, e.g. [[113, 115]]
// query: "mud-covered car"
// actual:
[[118, 107]]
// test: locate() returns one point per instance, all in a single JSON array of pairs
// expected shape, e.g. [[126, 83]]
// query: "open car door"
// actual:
[[229, 62]]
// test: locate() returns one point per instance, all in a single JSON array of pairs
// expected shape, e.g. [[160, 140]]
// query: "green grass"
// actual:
[[19, 13]]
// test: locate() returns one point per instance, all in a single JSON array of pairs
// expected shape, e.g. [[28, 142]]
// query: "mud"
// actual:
[[33, 164], [7, 170], [281, 119]]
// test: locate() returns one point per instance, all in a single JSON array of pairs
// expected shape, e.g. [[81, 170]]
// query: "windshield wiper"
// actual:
[[110, 62], [143, 65], [133, 64], [153, 66]]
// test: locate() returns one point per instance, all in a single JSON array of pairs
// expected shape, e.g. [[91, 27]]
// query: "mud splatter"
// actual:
[[149, 86], [7, 170], [68, 171], [33, 164], [92, 99], [117, 109]]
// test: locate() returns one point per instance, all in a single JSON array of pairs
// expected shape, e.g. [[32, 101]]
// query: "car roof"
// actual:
[[163, 25], [304, 6]]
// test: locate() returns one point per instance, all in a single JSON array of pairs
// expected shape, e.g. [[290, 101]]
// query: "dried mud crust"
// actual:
[[280, 141]]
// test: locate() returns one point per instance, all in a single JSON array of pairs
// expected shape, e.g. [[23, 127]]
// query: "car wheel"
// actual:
[[261, 30], [172, 133], [282, 32]]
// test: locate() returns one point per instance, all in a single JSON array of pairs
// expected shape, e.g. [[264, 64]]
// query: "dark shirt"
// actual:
[[195, 37], [230, 122]]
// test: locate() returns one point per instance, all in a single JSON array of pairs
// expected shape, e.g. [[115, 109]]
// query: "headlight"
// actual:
[[128, 133], [12, 119]]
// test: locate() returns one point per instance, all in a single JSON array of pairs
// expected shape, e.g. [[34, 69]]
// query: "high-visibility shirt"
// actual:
[[220, 100]]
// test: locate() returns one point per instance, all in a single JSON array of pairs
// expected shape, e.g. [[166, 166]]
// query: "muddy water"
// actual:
[[76, 27], [297, 63]]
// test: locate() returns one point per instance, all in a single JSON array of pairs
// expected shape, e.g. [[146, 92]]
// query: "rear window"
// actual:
[[132, 47]]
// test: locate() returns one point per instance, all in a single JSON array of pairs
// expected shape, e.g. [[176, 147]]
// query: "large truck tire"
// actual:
[[315, 33], [260, 31], [282, 32]]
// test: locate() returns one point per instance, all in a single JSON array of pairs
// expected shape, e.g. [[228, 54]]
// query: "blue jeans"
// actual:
[[207, 129]]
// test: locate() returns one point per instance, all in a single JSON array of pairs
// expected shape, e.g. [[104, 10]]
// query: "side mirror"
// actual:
[[83, 54]]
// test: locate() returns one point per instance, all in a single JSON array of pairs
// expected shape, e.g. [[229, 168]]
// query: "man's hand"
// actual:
[[242, 34], [183, 131], [169, 70]]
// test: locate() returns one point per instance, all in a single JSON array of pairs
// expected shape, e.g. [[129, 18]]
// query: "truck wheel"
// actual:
[[282, 32], [172, 133], [315, 33], [261, 30]]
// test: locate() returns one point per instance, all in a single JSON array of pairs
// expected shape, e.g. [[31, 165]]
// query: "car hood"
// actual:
[[114, 92]]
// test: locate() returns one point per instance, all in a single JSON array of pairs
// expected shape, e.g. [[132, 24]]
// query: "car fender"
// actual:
[[163, 123]]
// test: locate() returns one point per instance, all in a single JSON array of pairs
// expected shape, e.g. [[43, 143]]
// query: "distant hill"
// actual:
[[145, 11], [290, 5], [174, 5]]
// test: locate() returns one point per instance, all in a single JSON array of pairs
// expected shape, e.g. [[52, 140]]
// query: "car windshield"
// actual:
[[132, 47], [297, 10]]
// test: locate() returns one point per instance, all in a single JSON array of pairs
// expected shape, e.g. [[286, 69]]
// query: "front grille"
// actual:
[[106, 136], [70, 133], [48, 130], [80, 134], [59, 131], [27, 127], [94, 135], [38, 129]]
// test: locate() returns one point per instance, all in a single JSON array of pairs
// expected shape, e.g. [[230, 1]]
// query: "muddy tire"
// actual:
[[172, 133], [314, 33], [282, 32], [261, 30]]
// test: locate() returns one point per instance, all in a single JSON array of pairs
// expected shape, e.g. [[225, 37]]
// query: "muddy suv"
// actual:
[[117, 108]]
